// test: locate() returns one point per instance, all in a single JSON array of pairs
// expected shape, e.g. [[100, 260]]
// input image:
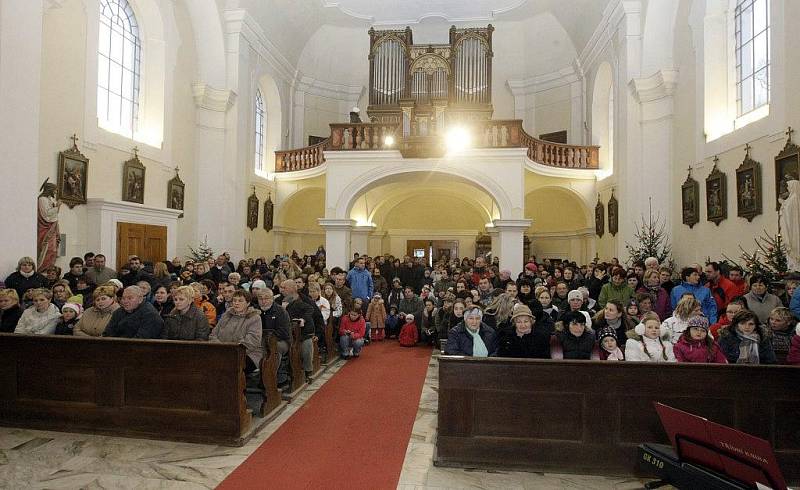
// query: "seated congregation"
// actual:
[[603, 311]]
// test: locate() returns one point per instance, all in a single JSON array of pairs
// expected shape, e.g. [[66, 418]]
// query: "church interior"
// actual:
[[307, 140]]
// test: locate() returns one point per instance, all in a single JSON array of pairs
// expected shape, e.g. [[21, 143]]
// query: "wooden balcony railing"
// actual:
[[484, 134]]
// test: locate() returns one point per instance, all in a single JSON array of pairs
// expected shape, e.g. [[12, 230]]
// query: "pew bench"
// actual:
[[159, 389], [588, 417]]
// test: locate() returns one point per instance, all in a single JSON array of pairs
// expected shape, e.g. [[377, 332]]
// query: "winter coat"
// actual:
[[395, 295], [380, 285], [413, 306], [93, 322], [409, 336], [762, 307], [535, 345], [275, 320], [595, 285], [164, 308], [142, 323], [21, 283], [100, 276], [794, 304], [561, 303], [208, 310], [66, 328], [192, 325], [361, 283], [673, 327], [346, 295], [641, 348], [376, 313], [687, 350], [782, 343], [357, 327], [609, 291], [713, 330], [621, 331], [722, 292], [33, 322], [9, 319], [794, 349], [392, 322], [243, 329], [730, 339], [701, 293], [661, 302], [459, 341], [574, 347], [299, 309]]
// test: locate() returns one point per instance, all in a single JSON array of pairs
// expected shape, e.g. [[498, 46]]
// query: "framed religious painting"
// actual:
[[613, 214], [133, 179], [599, 218], [748, 187], [175, 192], [268, 213], [73, 170], [252, 210], [690, 201], [716, 195], [787, 167]]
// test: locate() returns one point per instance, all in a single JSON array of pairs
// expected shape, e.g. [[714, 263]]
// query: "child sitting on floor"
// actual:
[[609, 351], [409, 334]]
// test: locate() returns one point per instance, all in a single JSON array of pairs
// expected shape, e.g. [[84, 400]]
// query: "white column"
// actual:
[[359, 239], [337, 241], [20, 79], [576, 133], [510, 251], [216, 174]]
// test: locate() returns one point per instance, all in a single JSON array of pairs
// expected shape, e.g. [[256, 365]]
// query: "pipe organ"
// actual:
[[423, 88]]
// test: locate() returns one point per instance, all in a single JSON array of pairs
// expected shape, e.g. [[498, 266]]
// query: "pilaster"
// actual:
[[337, 241], [510, 246]]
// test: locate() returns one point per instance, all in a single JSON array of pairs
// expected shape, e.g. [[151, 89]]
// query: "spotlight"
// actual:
[[457, 139], [388, 140]]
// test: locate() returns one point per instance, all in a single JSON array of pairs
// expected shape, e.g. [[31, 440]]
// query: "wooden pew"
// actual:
[[298, 375], [330, 343], [273, 404], [589, 416], [316, 362], [186, 391]]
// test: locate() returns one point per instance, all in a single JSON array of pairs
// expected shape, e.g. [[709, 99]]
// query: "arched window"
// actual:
[[751, 24], [259, 111], [118, 67]]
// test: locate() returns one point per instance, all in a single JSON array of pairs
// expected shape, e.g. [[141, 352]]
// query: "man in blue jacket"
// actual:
[[691, 284], [360, 281], [794, 305]]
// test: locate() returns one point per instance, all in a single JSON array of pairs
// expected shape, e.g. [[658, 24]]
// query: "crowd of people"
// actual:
[[470, 307]]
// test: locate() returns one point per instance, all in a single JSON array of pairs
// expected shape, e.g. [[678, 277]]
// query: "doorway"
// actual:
[[432, 250], [148, 242]]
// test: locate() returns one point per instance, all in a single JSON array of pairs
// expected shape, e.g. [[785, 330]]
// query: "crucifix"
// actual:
[[136, 152], [716, 160], [75, 139], [789, 133], [747, 149], [177, 169], [690, 170]]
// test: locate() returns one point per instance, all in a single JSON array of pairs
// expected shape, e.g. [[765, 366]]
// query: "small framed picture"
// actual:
[[269, 210], [252, 210], [787, 167], [690, 201], [716, 196], [175, 192], [748, 187], [133, 179], [73, 170], [599, 218], [613, 214]]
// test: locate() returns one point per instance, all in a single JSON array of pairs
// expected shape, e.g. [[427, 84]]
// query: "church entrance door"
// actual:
[[148, 242]]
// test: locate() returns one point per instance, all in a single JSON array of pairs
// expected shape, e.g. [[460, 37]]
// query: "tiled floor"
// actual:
[[32, 459]]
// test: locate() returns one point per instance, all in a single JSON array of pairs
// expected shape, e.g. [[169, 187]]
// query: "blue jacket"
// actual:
[[459, 342], [360, 282], [703, 295], [794, 305]]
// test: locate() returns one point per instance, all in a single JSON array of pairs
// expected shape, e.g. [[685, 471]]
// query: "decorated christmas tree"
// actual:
[[203, 252], [768, 259], [651, 241]]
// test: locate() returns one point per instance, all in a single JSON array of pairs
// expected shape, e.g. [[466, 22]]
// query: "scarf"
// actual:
[[652, 291], [478, 347], [614, 323], [748, 348], [27, 275]]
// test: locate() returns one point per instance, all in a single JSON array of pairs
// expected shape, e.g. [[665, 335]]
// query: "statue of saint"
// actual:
[[48, 236], [790, 224]]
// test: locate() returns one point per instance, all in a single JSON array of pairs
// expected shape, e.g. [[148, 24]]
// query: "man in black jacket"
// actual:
[[137, 319], [275, 321], [304, 312], [136, 274]]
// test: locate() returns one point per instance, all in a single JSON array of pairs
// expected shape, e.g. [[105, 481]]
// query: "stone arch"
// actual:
[[348, 196], [571, 198], [303, 197], [602, 114], [380, 211]]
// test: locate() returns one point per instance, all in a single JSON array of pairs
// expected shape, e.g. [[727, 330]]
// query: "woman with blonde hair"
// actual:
[[673, 327], [498, 314], [161, 275], [201, 301], [186, 321], [41, 318], [10, 311], [25, 277], [94, 320]]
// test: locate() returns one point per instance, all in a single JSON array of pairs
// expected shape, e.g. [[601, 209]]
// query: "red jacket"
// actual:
[[358, 327], [723, 292], [740, 288], [409, 335], [794, 349], [696, 351], [723, 320]]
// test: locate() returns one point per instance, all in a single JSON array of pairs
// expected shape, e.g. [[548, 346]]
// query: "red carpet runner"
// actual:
[[352, 433]]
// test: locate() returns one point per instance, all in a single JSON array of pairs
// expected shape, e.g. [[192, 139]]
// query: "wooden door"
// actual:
[[444, 249], [148, 242]]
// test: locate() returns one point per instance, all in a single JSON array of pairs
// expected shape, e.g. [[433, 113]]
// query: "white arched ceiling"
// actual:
[[209, 42], [601, 96]]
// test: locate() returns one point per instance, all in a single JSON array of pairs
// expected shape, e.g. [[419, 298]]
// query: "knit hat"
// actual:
[[521, 310], [530, 266], [409, 316], [77, 308], [258, 283], [606, 332], [698, 321], [377, 295], [574, 294], [116, 282]]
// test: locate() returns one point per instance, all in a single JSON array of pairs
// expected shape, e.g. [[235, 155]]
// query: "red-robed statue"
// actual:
[[48, 236]]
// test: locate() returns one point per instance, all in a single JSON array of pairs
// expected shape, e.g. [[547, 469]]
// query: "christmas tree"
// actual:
[[768, 259], [203, 252], [651, 241]]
